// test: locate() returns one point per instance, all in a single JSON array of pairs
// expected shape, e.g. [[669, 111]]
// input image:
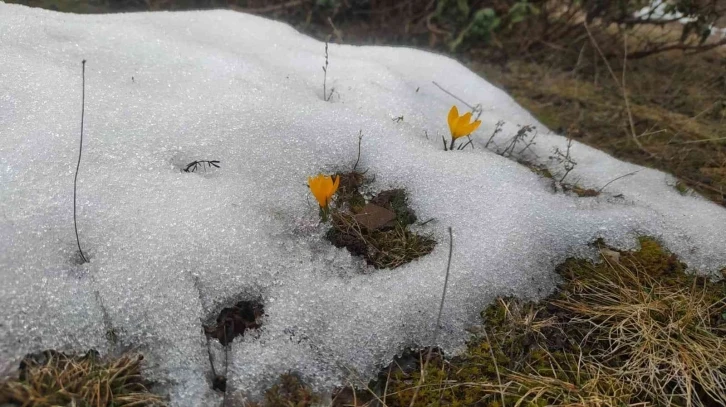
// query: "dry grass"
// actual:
[[659, 337], [677, 105], [388, 248], [634, 330], [55, 379]]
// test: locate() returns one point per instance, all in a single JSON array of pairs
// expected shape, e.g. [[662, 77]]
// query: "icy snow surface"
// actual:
[[169, 249]]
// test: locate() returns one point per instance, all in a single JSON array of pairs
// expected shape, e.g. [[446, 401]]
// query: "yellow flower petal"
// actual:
[[323, 188], [471, 127], [336, 184], [459, 125], [453, 118], [460, 128]]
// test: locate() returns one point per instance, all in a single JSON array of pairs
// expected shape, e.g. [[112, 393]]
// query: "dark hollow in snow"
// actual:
[[219, 383], [234, 321]]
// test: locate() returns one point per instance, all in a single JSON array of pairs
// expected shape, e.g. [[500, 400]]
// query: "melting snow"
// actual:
[[168, 249]]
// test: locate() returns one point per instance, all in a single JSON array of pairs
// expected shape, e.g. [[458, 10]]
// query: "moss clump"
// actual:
[[397, 201], [682, 188], [53, 378], [348, 193], [388, 246], [634, 329], [538, 169], [290, 392]]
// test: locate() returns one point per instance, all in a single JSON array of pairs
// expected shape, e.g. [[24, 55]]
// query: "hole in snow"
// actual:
[[219, 383], [376, 229], [234, 321]]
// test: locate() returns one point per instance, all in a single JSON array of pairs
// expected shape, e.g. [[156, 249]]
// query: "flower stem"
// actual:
[[324, 214]]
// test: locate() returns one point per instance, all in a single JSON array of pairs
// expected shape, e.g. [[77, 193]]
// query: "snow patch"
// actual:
[[168, 250]]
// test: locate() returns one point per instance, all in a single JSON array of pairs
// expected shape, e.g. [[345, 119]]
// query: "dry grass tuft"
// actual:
[[633, 330], [52, 378], [657, 336]]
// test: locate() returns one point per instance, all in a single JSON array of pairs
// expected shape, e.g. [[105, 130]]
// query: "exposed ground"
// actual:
[[634, 330], [51, 378]]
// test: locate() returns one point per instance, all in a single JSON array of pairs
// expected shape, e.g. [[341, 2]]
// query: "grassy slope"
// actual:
[[635, 329]]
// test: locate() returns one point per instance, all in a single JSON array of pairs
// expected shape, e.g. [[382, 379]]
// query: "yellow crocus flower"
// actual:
[[459, 125], [323, 188]]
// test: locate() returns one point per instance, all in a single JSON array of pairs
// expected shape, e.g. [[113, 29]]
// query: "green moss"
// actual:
[[651, 261], [290, 392], [389, 246], [399, 204], [682, 188], [537, 169]]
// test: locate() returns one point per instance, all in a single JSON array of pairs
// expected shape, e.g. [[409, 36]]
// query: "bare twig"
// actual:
[[621, 84], [579, 59], [373, 393], [326, 97], [438, 318], [80, 151], [496, 365], [624, 88], [452, 95], [360, 138], [702, 185], [566, 159], [520, 136], [338, 34], [613, 180], [497, 129], [474, 109], [529, 144], [192, 166], [209, 355], [197, 286], [690, 49], [703, 140], [470, 142], [226, 364], [388, 379]]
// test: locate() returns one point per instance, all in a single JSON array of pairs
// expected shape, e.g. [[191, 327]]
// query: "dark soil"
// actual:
[[235, 321]]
